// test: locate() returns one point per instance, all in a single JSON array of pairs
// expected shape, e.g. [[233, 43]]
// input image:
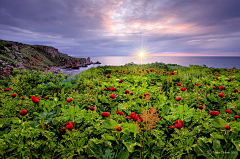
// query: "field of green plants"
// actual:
[[147, 111]]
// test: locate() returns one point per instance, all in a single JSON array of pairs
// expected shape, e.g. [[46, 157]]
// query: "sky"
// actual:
[[125, 27]]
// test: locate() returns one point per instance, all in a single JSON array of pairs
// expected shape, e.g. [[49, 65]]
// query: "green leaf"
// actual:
[[123, 154], [217, 149], [109, 124], [237, 144], [130, 145], [218, 122], [217, 136]]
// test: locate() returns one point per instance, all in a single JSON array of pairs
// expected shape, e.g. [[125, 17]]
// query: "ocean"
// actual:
[[216, 62]]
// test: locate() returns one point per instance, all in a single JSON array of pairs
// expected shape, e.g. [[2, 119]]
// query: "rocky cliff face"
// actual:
[[34, 57]]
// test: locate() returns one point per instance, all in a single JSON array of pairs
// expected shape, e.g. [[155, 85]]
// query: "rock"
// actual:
[[14, 47], [6, 49], [97, 62], [74, 62], [53, 52]]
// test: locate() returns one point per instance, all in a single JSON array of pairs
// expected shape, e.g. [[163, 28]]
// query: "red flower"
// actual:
[[156, 71], [35, 99], [127, 91], [217, 78], [172, 73], [119, 72], [118, 112], [214, 113], [105, 88], [179, 84], [229, 80], [146, 94], [227, 70], [228, 111], [108, 76], [120, 81], [112, 96], [91, 87], [235, 90], [221, 88], [142, 69], [23, 112], [197, 84], [139, 71], [7, 89], [214, 87], [227, 127], [131, 93], [13, 95], [23, 98], [151, 70], [183, 89], [105, 114], [237, 116], [112, 89], [88, 85], [69, 125], [132, 115], [46, 98], [118, 128], [200, 107], [69, 100], [123, 70], [178, 99], [164, 72], [92, 108], [221, 94], [178, 124]]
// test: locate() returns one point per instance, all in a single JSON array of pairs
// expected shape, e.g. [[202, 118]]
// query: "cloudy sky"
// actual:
[[125, 27]]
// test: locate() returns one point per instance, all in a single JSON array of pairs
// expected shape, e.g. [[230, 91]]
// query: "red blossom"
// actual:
[[178, 99], [221, 94], [179, 84], [178, 124], [46, 98], [235, 90], [105, 114], [172, 73], [112, 96], [23, 112], [228, 111], [127, 91], [69, 100], [221, 88], [120, 81], [112, 89], [227, 127], [92, 108], [227, 70], [13, 95], [23, 98], [108, 76], [217, 78], [229, 80], [146, 94], [118, 128], [105, 88], [214, 113], [35, 99], [118, 112], [214, 87], [200, 107], [139, 71], [164, 72], [151, 70], [7, 89], [237, 116], [183, 89], [69, 125], [131, 93], [156, 71]]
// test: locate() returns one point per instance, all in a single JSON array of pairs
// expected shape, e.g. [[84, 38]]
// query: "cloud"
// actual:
[[113, 27]]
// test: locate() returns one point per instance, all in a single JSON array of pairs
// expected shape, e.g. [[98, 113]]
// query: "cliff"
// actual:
[[34, 57]]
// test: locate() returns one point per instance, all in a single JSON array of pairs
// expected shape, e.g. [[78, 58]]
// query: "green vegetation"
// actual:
[[184, 112]]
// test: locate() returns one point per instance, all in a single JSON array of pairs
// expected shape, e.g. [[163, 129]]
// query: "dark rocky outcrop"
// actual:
[[35, 57]]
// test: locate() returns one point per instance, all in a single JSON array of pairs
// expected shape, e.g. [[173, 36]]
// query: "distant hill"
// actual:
[[35, 57]]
